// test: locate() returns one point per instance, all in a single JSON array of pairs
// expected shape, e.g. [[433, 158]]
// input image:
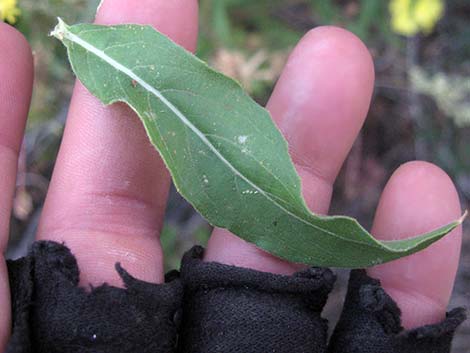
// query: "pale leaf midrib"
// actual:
[[119, 67]]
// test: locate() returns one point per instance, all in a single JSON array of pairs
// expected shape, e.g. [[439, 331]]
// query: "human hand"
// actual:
[[110, 187]]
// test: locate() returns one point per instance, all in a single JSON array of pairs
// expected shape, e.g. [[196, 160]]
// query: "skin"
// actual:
[[112, 193]]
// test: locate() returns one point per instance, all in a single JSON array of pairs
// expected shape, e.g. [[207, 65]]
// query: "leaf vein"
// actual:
[[126, 71]]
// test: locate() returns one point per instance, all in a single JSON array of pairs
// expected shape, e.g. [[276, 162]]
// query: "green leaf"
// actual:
[[225, 154]]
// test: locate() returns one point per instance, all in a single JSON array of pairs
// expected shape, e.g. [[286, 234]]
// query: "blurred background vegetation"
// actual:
[[420, 110]]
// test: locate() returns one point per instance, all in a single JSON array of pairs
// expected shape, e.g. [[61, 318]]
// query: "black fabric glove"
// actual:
[[370, 323], [232, 309], [225, 309], [52, 314]]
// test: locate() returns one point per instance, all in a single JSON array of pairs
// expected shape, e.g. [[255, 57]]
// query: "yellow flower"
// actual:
[[412, 16], [9, 11]]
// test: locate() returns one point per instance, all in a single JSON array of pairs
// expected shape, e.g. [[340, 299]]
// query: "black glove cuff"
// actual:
[[232, 309], [370, 322], [52, 314]]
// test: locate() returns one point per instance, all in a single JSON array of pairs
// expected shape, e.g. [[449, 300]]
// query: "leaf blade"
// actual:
[[252, 173]]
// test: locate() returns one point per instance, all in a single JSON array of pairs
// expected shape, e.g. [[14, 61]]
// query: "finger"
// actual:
[[418, 198], [108, 192], [320, 104], [16, 72]]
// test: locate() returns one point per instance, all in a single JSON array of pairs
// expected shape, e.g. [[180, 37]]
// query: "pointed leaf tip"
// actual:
[[464, 216]]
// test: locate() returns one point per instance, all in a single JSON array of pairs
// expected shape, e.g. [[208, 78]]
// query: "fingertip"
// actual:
[[16, 72], [417, 190], [9, 35], [160, 14], [326, 38], [349, 55], [16, 52], [323, 95], [418, 198], [335, 52]]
